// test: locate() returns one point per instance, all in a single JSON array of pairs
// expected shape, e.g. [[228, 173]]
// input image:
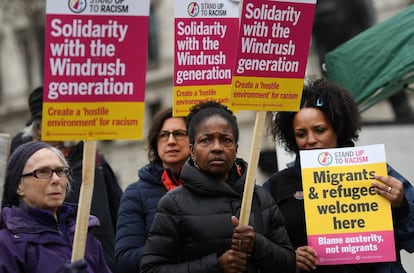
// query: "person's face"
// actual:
[[173, 145], [313, 131], [215, 149], [48, 193]]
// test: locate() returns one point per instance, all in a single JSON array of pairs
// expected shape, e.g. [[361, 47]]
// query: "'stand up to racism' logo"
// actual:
[[77, 6], [325, 158], [193, 9]]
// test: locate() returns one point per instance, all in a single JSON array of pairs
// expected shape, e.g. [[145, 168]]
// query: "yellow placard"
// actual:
[[266, 94], [339, 200], [347, 222], [187, 96], [92, 121]]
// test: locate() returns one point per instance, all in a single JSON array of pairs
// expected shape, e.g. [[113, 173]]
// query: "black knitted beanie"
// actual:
[[15, 166]]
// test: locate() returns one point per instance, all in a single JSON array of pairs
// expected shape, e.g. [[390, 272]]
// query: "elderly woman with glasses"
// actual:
[[38, 226]]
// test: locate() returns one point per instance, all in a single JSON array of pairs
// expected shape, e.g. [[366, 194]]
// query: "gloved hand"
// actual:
[[75, 267]]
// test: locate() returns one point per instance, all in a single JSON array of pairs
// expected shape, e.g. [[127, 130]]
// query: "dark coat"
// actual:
[[286, 188], [32, 241], [105, 198], [192, 227], [136, 213]]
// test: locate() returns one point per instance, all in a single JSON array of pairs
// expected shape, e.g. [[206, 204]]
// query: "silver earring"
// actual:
[[195, 163]]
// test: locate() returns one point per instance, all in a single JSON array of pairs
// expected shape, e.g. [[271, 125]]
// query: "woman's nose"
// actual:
[[311, 139], [171, 139], [55, 178], [217, 144]]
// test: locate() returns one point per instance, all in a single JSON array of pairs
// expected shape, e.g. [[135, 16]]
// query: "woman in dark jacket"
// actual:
[[39, 227], [329, 118], [196, 227], [168, 149]]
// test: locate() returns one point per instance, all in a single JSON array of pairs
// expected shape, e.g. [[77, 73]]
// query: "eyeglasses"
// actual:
[[177, 134], [45, 173]]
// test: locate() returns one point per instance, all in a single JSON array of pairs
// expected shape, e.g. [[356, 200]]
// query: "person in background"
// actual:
[[337, 21], [39, 227], [106, 191], [329, 118], [196, 226], [268, 161], [168, 149]]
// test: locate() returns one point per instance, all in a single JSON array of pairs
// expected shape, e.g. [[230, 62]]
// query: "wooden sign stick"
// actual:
[[252, 167], [85, 199]]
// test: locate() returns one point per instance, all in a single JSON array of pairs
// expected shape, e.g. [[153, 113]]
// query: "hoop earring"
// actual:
[[238, 168], [195, 164]]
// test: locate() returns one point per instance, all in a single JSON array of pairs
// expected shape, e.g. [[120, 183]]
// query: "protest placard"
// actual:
[[271, 58], [94, 82], [205, 44], [270, 65], [347, 222], [95, 69]]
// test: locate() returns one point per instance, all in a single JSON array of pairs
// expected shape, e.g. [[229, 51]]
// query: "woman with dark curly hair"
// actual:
[[329, 118], [332, 104]]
